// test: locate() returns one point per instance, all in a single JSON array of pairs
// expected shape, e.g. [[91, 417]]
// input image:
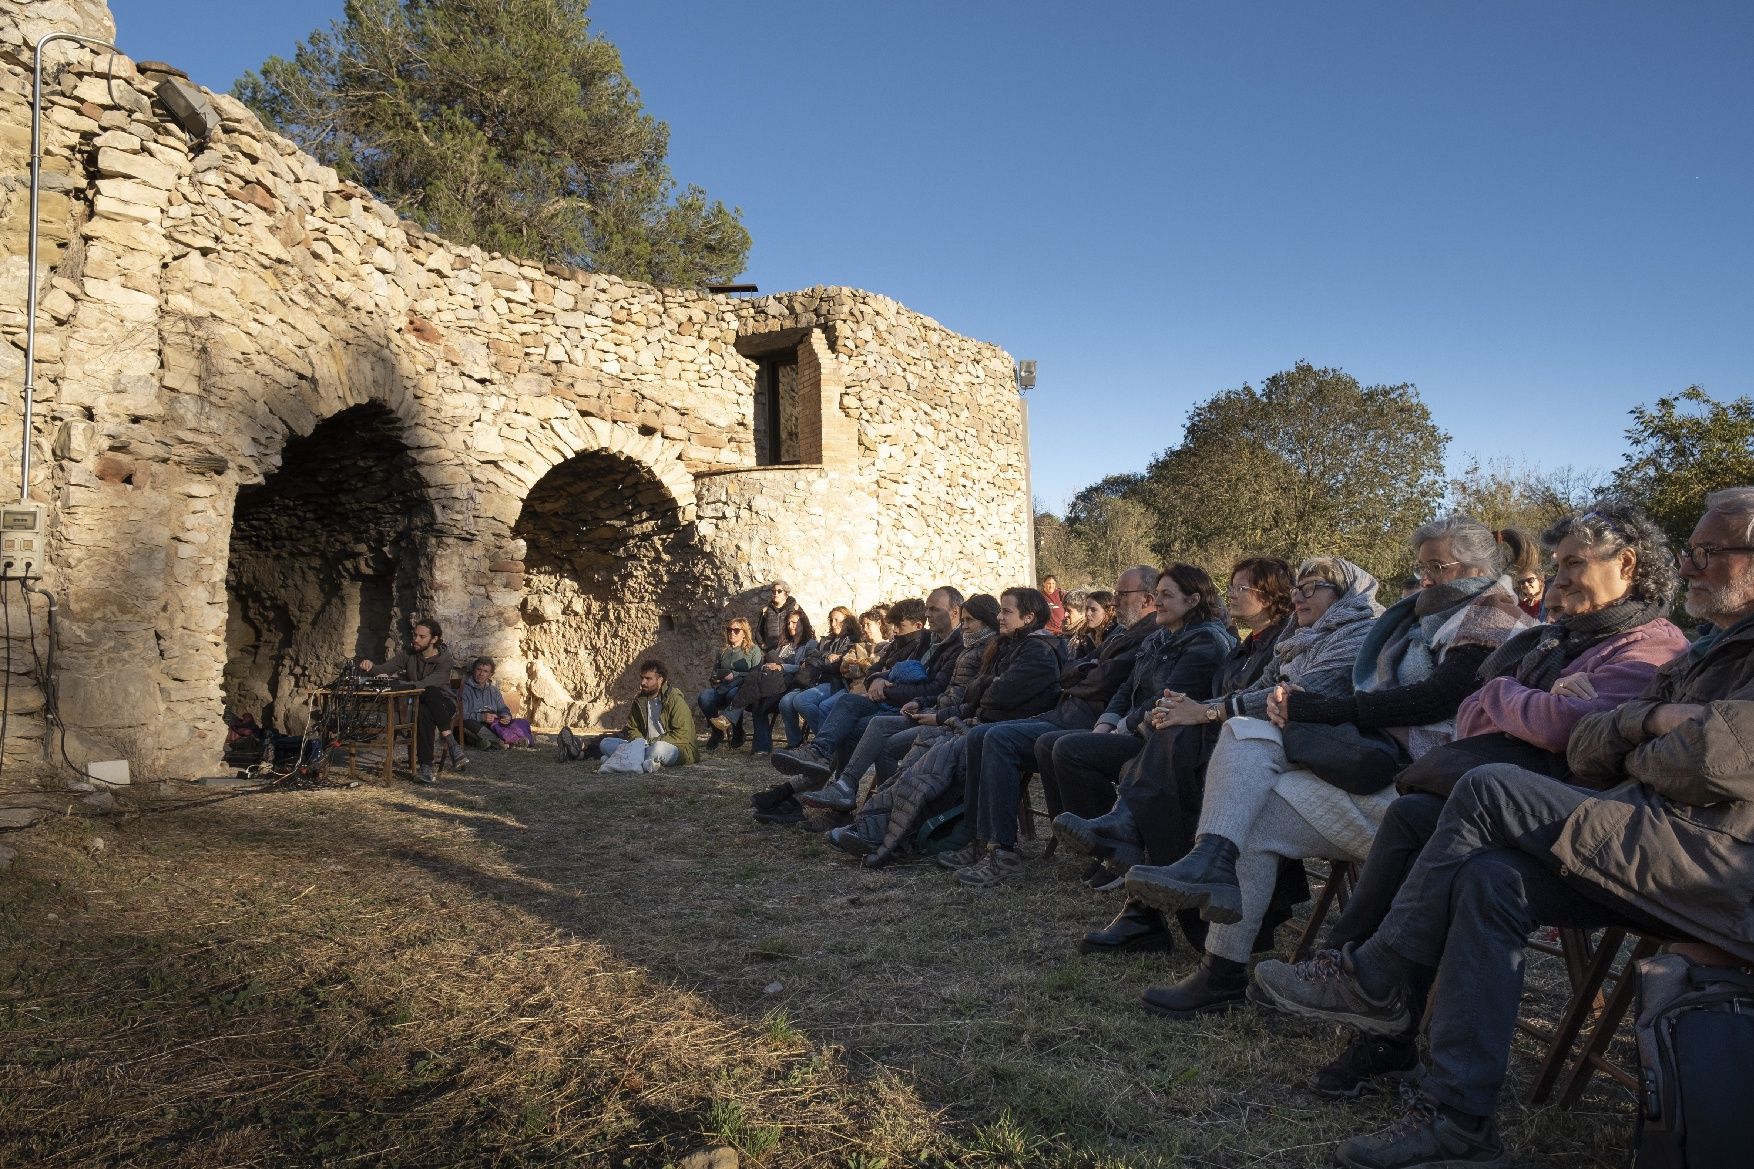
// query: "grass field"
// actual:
[[530, 964]]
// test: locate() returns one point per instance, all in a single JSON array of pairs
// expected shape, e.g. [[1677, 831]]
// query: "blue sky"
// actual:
[[1538, 213]]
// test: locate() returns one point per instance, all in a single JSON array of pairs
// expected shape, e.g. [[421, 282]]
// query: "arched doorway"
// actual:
[[326, 559], [606, 554]]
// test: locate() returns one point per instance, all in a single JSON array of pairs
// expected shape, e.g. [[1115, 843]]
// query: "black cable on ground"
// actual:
[[6, 689]]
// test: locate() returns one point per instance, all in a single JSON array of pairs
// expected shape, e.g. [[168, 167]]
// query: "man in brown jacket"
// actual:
[[1667, 850]]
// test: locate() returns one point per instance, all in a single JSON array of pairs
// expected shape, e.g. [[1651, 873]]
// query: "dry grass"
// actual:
[[537, 965]]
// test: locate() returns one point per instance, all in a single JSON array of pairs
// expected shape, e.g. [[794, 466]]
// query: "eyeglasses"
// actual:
[[1699, 555], [1308, 592], [1236, 588], [1432, 568], [1124, 592]]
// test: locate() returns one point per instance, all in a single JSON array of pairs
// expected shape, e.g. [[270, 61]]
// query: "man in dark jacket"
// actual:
[[943, 621], [815, 761], [1001, 755], [770, 624], [426, 663], [1668, 850]]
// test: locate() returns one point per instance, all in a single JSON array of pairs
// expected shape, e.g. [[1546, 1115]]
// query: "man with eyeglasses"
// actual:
[[1001, 755], [1670, 850]]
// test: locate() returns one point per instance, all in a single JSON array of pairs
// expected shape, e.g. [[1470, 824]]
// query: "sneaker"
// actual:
[[806, 761], [787, 812], [570, 748], [721, 724], [1368, 1064], [771, 797], [1427, 1136], [963, 857], [1325, 989], [425, 774], [999, 867], [837, 796], [651, 765], [848, 840], [459, 761]]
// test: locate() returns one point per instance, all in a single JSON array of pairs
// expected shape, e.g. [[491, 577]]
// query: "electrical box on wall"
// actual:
[[21, 541]]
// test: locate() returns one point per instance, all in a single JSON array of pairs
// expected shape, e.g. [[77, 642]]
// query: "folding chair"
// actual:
[[1342, 877]]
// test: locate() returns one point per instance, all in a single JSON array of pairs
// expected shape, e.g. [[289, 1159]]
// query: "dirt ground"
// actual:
[[532, 964]]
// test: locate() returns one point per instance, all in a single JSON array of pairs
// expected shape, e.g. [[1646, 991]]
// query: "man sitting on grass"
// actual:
[[660, 716], [1669, 850]]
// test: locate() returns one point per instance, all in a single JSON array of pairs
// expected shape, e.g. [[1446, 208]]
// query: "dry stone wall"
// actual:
[[572, 476]]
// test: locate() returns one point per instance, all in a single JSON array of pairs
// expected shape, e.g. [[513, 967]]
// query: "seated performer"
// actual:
[[427, 664]]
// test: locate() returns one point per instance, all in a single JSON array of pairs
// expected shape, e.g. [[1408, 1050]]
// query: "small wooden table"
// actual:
[[401, 719]]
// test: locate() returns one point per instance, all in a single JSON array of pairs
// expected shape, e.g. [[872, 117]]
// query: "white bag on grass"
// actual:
[[628, 757]]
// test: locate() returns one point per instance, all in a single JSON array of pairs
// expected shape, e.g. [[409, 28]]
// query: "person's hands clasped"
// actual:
[[770, 667], [1177, 710], [876, 689], [1574, 686], [1279, 705]]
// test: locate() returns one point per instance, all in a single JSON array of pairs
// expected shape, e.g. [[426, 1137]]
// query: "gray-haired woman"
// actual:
[[1315, 778], [1614, 579]]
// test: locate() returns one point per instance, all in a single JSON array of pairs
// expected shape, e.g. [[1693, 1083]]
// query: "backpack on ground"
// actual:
[[1696, 1065]]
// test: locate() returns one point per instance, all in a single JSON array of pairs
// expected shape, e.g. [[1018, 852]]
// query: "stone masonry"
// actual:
[[275, 422]]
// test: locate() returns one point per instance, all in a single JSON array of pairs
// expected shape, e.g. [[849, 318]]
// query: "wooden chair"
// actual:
[[1336, 889], [1607, 990]]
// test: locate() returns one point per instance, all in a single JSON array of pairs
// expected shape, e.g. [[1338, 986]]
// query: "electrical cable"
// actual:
[[6, 692]]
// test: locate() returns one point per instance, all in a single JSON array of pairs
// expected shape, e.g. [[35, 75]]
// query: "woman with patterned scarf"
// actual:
[[1315, 777], [1614, 579]]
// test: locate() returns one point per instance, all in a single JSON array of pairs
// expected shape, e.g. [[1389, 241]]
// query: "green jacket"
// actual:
[[678, 725]]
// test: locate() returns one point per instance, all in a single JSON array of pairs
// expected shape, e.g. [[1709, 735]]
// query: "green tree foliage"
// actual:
[[501, 123], [1309, 463], [1107, 528], [1505, 493], [1683, 448]]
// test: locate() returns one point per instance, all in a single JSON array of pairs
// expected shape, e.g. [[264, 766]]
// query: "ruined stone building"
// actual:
[[274, 421]]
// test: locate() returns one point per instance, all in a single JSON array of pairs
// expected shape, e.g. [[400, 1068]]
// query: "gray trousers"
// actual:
[[1241, 806], [1486, 879], [878, 731]]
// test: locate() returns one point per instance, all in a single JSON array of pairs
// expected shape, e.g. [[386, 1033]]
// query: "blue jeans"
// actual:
[[845, 722], [1485, 879], [999, 756], [665, 753], [715, 698], [802, 708]]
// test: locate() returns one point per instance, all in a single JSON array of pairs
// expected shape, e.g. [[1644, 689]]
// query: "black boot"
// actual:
[[713, 740], [771, 797], [737, 733], [1136, 929], [1204, 880], [1216, 984], [1109, 836]]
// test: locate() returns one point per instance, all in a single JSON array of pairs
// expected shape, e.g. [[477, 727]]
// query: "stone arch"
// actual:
[[607, 539], [326, 559]]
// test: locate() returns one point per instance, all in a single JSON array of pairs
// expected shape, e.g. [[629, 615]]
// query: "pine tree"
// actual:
[[501, 123]]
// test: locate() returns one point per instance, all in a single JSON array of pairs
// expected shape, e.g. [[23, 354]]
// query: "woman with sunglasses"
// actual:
[[736, 658]]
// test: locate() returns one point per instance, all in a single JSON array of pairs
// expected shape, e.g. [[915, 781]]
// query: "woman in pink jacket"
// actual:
[[1614, 578]]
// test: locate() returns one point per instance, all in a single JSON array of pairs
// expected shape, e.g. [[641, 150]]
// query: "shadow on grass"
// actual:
[[534, 963]]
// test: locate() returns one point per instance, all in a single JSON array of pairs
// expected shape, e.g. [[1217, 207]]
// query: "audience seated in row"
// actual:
[[1489, 774]]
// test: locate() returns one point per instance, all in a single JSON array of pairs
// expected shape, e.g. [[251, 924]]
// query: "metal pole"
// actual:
[[1024, 374], [36, 181]]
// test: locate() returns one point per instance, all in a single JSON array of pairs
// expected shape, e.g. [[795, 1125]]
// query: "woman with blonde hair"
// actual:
[[738, 656]]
